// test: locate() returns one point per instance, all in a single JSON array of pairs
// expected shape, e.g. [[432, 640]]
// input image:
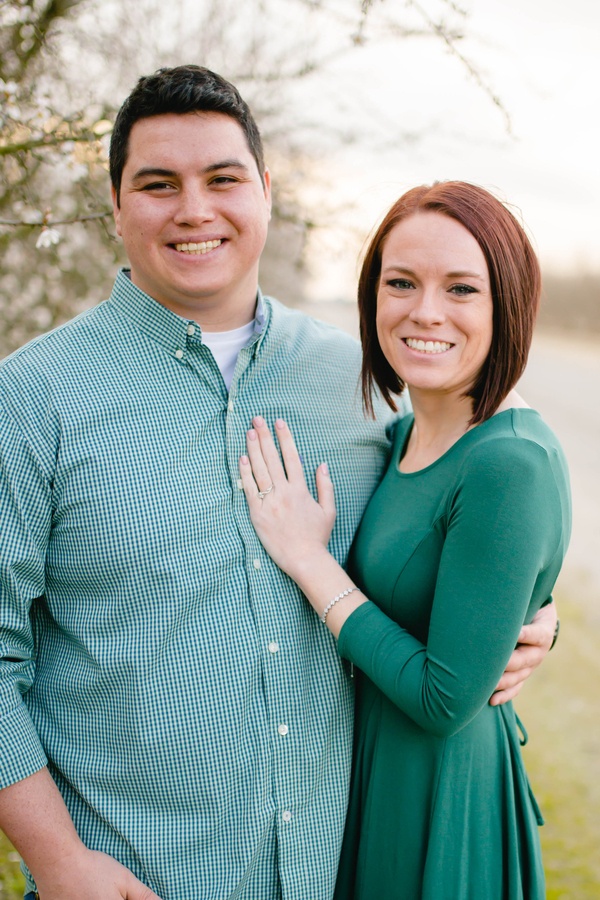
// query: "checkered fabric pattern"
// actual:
[[191, 706]]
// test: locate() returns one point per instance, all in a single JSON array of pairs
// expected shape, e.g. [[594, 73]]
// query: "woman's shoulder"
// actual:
[[519, 445]]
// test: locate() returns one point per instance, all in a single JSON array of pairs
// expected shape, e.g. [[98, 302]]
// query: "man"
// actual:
[[174, 721]]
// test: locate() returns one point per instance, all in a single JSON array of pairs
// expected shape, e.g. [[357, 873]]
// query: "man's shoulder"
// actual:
[[299, 325], [53, 346]]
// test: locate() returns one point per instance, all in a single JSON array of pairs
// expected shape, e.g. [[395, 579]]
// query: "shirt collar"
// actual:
[[163, 326]]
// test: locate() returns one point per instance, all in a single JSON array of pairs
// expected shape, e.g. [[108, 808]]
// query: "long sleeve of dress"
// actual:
[[502, 536]]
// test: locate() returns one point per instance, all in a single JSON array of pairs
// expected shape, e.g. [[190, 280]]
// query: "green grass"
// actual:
[[559, 708], [560, 711], [11, 881]]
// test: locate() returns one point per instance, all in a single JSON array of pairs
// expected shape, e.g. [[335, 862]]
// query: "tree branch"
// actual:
[[47, 140], [450, 42], [51, 223]]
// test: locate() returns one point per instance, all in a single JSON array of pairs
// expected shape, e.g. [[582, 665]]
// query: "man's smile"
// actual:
[[197, 249]]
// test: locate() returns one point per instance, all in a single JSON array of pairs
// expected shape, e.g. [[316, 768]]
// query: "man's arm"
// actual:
[[32, 811], [34, 817], [534, 642]]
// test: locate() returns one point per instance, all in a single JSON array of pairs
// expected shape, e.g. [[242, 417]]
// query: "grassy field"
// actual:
[[11, 880], [560, 711]]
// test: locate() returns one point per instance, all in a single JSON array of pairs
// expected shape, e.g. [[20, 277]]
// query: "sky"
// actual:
[[541, 58]]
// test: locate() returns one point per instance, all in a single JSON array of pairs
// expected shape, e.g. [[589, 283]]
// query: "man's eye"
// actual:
[[224, 179], [157, 186]]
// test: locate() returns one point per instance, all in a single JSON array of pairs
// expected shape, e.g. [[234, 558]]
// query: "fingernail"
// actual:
[[324, 468], [244, 460], [258, 420], [252, 435], [279, 423]]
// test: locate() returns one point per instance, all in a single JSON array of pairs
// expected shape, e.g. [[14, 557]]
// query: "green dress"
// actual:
[[454, 558]]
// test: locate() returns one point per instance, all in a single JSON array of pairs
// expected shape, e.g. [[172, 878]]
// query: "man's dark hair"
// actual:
[[515, 282], [183, 89]]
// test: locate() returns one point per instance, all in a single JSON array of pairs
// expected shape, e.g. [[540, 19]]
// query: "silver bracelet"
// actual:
[[335, 600]]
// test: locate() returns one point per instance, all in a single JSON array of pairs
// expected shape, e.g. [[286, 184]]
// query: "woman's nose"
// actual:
[[428, 307]]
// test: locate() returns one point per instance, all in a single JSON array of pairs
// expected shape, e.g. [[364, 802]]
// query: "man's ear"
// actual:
[[116, 209], [267, 182]]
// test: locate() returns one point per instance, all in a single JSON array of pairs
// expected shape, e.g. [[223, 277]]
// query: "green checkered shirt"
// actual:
[[187, 700]]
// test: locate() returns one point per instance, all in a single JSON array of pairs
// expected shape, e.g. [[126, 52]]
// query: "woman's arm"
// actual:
[[295, 529]]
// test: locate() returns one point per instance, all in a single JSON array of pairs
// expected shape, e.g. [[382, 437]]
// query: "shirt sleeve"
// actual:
[[25, 514], [503, 545]]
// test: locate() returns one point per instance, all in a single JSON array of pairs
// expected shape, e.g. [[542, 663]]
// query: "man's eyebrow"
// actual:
[[156, 172], [152, 171], [226, 164]]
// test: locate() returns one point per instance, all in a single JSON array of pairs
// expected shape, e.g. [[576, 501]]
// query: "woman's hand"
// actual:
[[293, 527]]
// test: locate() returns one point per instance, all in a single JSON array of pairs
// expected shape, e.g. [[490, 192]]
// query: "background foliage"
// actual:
[[65, 67]]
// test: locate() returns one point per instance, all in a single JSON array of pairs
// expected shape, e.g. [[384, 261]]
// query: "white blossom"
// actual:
[[9, 88], [47, 237]]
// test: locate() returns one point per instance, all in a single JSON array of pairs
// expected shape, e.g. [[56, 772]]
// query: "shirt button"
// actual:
[[191, 330], [273, 647], [286, 816], [230, 406], [283, 730], [256, 563], [179, 354], [240, 484]]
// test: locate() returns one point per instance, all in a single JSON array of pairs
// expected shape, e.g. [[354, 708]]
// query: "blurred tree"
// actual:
[[65, 66]]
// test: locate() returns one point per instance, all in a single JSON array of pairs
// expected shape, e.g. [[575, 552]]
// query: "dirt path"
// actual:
[[563, 382]]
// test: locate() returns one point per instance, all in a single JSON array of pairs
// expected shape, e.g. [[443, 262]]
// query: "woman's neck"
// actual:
[[440, 421]]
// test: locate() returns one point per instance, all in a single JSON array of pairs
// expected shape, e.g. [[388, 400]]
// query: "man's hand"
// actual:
[[34, 816], [94, 876], [534, 642]]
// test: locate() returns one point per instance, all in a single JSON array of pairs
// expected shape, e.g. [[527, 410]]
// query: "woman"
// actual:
[[460, 545]]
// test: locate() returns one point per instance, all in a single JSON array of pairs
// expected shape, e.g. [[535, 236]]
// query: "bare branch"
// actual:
[[46, 140], [449, 40], [26, 49], [51, 223]]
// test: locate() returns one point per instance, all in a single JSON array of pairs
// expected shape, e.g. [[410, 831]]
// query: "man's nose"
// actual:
[[194, 207]]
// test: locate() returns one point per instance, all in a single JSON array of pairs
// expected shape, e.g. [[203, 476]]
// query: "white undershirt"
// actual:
[[225, 346]]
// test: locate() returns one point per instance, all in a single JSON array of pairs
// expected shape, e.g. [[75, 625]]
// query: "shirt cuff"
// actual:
[[21, 752]]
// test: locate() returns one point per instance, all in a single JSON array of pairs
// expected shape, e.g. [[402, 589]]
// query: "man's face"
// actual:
[[193, 216]]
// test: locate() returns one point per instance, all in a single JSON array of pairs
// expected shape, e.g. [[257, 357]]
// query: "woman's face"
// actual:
[[434, 304]]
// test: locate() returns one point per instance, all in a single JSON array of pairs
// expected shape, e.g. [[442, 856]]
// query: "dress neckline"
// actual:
[[409, 419]]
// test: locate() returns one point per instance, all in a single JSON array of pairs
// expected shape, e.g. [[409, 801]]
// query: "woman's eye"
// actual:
[[461, 290], [400, 284]]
